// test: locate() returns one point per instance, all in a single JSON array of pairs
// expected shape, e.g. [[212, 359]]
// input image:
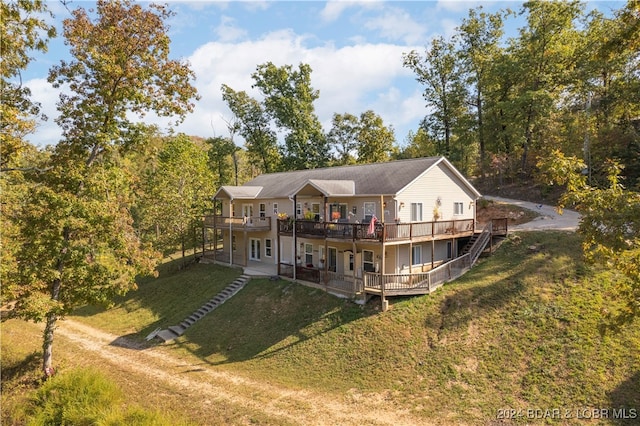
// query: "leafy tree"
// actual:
[[363, 139], [289, 101], [542, 58], [79, 245], [343, 138], [480, 35], [610, 225], [253, 124], [177, 193], [222, 160], [375, 141], [418, 144], [23, 29], [607, 89], [444, 91]]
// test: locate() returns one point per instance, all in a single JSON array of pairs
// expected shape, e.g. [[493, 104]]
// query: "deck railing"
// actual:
[[258, 223], [382, 232], [422, 282]]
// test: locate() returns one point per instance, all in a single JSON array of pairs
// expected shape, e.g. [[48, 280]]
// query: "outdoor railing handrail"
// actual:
[[238, 222], [382, 231]]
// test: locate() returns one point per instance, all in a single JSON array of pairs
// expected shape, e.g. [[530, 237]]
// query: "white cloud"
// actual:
[[397, 24], [344, 76], [228, 30], [351, 79], [334, 8], [458, 5]]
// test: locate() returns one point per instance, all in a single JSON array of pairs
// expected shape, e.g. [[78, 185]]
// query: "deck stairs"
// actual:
[[175, 331], [477, 244]]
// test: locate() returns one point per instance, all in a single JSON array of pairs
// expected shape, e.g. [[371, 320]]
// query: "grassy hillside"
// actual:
[[522, 330]]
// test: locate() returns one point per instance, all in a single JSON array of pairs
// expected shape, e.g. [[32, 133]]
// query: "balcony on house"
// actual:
[[254, 223], [382, 232]]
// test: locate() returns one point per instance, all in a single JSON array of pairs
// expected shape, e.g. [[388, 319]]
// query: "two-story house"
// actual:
[[370, 228]]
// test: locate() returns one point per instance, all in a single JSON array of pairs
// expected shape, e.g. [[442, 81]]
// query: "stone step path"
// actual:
[[177, 330]]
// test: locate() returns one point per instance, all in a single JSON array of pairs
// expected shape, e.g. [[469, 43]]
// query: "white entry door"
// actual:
[[254, 249]]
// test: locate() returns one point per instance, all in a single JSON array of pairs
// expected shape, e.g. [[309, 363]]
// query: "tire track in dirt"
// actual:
[[295, 406]]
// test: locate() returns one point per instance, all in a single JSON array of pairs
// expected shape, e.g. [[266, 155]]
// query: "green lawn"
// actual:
[[522, 330]]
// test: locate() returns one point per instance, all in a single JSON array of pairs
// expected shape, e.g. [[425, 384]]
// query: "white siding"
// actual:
[[440, 183]]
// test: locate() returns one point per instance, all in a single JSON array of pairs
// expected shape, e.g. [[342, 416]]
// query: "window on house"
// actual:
[[298, 209], [416, 255], [416, 212], [267, 247], [458, 208], [263, 210], [367, 261], [449, 250], [369, 210], [315, 208], [275, 209], [233, 243], [337, 211], [308, 254], [247, 210], [351, 258], [322, 253]]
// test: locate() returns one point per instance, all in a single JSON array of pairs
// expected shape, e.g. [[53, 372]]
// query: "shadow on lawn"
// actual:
[[163, 301], [265, 318], [626, 399], [516, 262]]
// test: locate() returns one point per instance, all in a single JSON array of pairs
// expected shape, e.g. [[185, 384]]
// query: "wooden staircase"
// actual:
[[177, 330], [478, 243]]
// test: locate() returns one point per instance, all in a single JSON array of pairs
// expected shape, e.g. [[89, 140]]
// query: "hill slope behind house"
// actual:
[[521, 330]]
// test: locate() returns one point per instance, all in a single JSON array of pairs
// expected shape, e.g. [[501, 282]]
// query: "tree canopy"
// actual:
[[77, 241]]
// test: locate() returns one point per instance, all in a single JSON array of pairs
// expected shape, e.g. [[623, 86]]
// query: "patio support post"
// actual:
[[295, 238], [215, 229], [326, 210], [230, 233], [246, 246], [204, 233], [383, 299], [326, 261], [278, 258], [355, 268], [433, 249]]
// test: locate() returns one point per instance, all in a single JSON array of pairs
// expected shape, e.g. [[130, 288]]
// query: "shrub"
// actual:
[[86, 397]]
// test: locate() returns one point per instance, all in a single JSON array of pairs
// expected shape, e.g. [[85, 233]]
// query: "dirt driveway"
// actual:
[[209, 385], [549, 218]]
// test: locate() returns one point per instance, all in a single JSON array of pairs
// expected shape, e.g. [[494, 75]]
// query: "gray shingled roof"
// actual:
[[369, 179], [246, 192]]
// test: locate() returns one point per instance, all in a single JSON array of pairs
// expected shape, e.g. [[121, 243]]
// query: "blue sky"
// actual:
[[354, 48]]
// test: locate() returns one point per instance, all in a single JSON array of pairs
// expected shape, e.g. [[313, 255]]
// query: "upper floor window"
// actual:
[[416, 212], [369, 210], [275, 209], [298, 209], [263, 210], [458, 208]]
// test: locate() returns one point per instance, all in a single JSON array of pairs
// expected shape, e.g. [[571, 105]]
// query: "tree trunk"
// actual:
[[47, 345], [47, 341], [52, 316]]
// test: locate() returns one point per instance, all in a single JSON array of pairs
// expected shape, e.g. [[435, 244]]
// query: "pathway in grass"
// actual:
[[205, 383]]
